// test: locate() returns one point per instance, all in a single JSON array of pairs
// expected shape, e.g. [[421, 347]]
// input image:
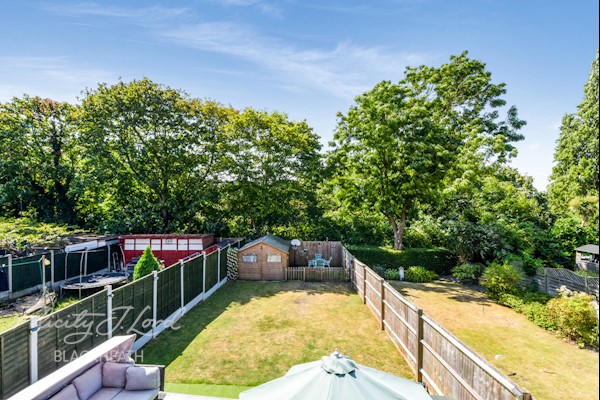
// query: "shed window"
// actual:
[[274, 258], [251, 258]]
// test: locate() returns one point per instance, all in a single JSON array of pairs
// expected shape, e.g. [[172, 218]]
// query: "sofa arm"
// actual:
[[161, 371]]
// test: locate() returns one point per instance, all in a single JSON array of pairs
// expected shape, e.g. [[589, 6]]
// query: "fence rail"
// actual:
[[144, 307], [441, 361], [551, 279]]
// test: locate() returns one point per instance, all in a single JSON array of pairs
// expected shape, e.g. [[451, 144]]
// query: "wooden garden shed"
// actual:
[[264, 259]]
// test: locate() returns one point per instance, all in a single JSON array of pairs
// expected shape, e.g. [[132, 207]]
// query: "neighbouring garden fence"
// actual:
[[441, 361], [144, 307], [23, 275], [551, 279]]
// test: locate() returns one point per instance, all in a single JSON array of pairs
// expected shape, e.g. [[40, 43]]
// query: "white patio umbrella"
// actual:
[[336, 377]]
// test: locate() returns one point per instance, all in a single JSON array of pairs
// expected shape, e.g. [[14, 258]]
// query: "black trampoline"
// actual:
[[95, 281]]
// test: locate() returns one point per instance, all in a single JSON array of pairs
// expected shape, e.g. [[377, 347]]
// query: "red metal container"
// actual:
[[169, 248]]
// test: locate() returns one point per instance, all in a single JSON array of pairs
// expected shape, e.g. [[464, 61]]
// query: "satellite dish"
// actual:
[[295, 243]]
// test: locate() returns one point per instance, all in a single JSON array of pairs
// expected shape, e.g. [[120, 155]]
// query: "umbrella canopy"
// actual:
[[337, 377]]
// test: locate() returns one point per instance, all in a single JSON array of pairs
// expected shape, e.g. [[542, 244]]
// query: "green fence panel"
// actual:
[[212, 270], [74, 264], [27, 272], [97, 259], [59, 267], [14, 356], [132, 307], [192, 282], [169, 292], [64, 335], [223, 266]]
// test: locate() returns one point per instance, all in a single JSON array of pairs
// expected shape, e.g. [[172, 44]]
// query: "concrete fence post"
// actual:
[[33, 349], [52, 269], [10, 274], [204, 274], [154, 302], [182, 286], [219, 266], [109, 312], [419, 345]]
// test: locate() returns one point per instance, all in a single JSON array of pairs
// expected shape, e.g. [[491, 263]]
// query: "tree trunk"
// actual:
[[398, 229]]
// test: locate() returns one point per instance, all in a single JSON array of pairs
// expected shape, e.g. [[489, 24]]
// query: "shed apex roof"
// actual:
[[273, 241], [589, 248]]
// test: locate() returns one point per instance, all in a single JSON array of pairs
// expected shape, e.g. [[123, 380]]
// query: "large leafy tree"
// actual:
[[573, 190], [153, 157], [273, 175], [400, 142], [37, 158]]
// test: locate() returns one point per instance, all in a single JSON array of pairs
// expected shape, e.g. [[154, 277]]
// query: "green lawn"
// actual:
[[550, 368], [11, 321], [248, 333]]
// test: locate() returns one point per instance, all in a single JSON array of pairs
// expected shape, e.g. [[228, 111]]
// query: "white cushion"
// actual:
[[106, 394], [89, 382], [68, 393], [142, 378], [113, 374]]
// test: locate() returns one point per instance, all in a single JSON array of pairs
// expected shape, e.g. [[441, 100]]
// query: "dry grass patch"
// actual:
[[550, 368], [252, 332]]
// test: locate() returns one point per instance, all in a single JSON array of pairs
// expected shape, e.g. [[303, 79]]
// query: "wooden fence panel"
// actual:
[[331, 274], [453, 369], [212, 270], [373, 294], [65, 334], [308, 249], [442, 362], [14, 356], [401, 323], [223, 263], [168, 292], [193, 278], [553, 278], [359, 279]]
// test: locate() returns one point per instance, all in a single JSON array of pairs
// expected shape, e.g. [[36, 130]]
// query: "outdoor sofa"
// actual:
[[104, 373]]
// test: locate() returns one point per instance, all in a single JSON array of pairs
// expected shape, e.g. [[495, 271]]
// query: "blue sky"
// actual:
[[308, 59]]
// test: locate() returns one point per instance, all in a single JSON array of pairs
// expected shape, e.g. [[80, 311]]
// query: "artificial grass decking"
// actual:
[[248, 333]]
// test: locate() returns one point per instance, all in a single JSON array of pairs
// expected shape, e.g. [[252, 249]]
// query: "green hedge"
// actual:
[[438, 260]]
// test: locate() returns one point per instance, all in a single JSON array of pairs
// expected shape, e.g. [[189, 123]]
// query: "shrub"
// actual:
[[438, 260], [575, 317], [145, 265], [538, 314], [532, 305], [513, 301], [419, 275], [499, 279], [392, 274], [525, 262], [467, 272], [379, 270]]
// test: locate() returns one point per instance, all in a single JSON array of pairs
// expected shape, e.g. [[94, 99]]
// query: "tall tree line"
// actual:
[[417, 163]]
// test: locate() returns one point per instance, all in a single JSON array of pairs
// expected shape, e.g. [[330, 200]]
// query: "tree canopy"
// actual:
[[400, 142], [574, 182]]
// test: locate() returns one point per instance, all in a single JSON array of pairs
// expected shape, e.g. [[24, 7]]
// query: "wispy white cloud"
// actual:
[[345, 70], [56, 77], [264, 6], [143, 15]]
